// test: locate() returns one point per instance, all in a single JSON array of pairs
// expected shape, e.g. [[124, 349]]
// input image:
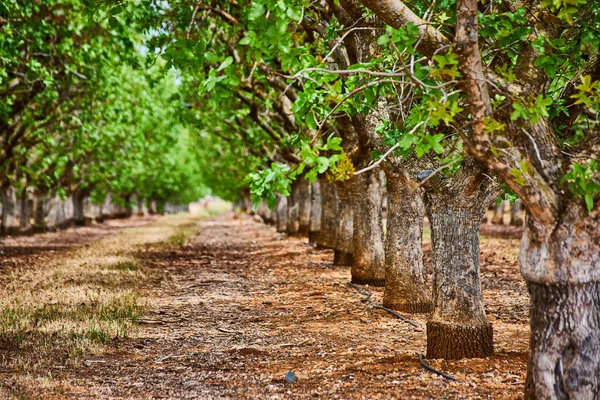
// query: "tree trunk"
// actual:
[[368, 257], [344, 242], [498, 218], [329, 214], [79, 214], [405, 280], [299, 208], [282, 213], [315, 212], [516, 213], [10, 211], [25, 211], [40, 210], [458, 326], [562, 270]]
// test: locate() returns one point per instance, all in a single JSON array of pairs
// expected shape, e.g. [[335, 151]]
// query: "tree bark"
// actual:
[[368, 257], [516, 213], [79, 212], [299, 208], [329, 214], [10, 211], [344, 242], [282, 213], [40, 210], [405, 279], [458, 326], [562, 270], [498, 218], [25, 209], [314, 228]]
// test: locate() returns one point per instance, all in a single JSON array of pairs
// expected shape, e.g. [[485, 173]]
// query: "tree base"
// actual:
[[313, 237], [342, 259], [87, 221], [369, 281], [424, 307], [39, 228], [12, 231], [453, 342]]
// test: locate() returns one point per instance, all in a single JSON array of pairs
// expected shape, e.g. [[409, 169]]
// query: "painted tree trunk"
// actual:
[[344, 241], [516, 213], [10, 211], [314, 228], [329, 214], [405, 279], [282, 213], [562, 270], [368, 257], [458, 326], [40, 210]]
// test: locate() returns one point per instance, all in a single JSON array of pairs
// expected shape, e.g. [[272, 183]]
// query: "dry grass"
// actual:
[[70, 308]]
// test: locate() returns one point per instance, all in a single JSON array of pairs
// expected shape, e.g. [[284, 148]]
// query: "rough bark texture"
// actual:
[[344, 242], [10, 211], [329, 215], [314, 228], [282, 213], [458, 326], [405, 279], [368, 266], [562, 271]]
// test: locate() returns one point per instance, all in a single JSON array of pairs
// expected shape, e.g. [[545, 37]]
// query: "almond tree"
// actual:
[[530, 73]]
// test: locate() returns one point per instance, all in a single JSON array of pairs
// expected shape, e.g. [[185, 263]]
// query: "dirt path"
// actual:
[[240, 306]]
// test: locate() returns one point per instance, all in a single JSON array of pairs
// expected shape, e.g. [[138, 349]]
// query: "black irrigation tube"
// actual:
[[430, 368], [367, 297]]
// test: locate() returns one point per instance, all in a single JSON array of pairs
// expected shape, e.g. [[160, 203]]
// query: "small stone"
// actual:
[[290, 377]]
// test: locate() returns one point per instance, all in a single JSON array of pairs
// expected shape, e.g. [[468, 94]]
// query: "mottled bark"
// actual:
[[10, 211], [344, 241], [329, 214], [458, 326], [365, 192], [405, 279], [314, 228], [562, 271], [516, 213], [281, 210]]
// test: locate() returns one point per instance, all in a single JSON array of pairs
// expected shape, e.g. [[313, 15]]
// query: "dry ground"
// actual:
[[224, 307]]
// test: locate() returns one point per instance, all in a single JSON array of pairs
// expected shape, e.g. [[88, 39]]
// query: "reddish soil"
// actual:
[[243, 305]]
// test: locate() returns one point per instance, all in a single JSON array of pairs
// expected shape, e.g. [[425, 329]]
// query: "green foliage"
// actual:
[[584, 181]]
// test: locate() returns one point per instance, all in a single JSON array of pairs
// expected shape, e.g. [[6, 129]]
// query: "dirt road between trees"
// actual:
[[223, 308]]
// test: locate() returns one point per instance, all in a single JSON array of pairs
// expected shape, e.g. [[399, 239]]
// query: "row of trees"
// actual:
[[457, 102], [81, 117]]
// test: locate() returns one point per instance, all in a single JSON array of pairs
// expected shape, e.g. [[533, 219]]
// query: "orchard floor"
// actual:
[[227, 307]]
